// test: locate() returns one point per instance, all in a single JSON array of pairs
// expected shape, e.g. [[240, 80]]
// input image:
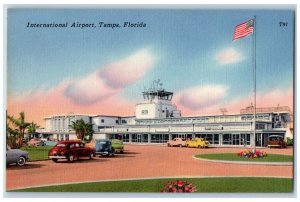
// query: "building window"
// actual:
[[245, 139], [117, 121], [102, 120], [125, 137], [227, 139], [159, 138], [124, 121], [133, 138], [216, 139], [260, 126]]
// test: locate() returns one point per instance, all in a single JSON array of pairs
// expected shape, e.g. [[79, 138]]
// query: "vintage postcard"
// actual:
[[150, 100]]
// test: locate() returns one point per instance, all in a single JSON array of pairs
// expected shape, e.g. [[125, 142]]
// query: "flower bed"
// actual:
[[252, 154], [179, 186]]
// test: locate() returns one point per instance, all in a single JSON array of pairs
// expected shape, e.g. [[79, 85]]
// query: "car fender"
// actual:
[[68, 153]]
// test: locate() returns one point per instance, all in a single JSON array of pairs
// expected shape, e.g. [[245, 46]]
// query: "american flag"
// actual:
[[243, 29]]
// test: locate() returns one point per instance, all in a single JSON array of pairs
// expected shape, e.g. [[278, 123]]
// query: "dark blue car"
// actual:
[[104, 147]]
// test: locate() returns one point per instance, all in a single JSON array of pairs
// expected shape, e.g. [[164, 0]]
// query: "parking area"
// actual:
[[139, 161]]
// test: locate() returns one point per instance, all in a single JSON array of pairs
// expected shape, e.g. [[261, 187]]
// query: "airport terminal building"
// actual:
[[158, 120]]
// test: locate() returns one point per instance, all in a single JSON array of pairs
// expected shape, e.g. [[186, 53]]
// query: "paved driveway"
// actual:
[[138, 161]]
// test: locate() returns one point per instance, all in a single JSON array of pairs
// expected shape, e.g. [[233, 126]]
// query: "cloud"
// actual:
[[229, 56], [201, 97], [281, 97], [88, 89], [111, 79], [94, 93], [127, 71]]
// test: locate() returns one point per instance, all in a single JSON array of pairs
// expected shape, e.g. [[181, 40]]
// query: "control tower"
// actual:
[[157, 103]]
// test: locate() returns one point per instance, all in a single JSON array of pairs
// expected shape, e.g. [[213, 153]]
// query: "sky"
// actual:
[[52, 71]]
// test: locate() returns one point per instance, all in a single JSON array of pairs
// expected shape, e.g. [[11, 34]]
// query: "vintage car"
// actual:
[[177, 142], [70, 150], [197, 142], [16, 156], [118, 146], [104, 147], [276, 141], [35, 142]]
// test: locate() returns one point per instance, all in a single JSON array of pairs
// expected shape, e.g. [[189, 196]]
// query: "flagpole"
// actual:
[[254, 76]]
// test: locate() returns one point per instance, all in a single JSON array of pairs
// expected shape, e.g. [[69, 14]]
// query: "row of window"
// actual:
[[62, 137], [227, 139], [231, 126], [61, 124], [236, 139]]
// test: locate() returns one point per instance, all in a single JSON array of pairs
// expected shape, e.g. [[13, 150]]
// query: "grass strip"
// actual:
[[204, 185], [37, 153], [235, 157]]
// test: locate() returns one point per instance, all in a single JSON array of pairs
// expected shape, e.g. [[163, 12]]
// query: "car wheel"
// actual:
[[199, 146], [121, 152], [71, 158], [113, 152], [21, 161], [55, 160]]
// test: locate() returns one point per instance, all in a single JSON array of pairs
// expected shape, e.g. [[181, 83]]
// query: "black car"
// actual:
[[104, 147]]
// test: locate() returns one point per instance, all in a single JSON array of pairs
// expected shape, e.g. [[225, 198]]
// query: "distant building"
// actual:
[[158, 120]]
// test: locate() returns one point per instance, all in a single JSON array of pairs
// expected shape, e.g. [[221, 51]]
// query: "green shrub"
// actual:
[[290, 142]]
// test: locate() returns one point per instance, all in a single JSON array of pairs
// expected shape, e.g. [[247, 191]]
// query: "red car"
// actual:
[[276, 141], [71, 150]]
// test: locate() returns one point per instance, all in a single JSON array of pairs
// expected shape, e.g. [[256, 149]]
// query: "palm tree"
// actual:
[[32, 128], [82, 129], [11, 135], [21, 125]]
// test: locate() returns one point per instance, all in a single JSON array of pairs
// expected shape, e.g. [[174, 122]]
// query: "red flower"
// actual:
[[180, 184]]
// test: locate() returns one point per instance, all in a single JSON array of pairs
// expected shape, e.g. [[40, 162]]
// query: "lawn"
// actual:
[[204, 185], [235, 157], [37, 153]]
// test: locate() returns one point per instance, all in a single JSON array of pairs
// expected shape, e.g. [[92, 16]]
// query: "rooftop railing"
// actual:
[[266, 109]]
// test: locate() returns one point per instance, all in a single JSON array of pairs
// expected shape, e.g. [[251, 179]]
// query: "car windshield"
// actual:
[[60, 145]]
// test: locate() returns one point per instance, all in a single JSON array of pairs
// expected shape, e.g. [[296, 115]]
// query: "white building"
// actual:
[[158, 120]]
